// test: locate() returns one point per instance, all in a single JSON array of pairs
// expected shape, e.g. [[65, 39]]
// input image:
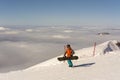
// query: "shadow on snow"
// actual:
[[84, 65]]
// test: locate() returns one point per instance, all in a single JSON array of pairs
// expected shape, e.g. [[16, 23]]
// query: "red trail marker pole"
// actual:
[[94, 49]]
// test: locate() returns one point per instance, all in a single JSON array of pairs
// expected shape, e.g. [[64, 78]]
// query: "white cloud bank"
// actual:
[[11, 32], [3, 28], [68, 31], [61, 36], [29, 30]]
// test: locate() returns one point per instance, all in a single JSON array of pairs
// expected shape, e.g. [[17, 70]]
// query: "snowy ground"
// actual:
[[103, 66]]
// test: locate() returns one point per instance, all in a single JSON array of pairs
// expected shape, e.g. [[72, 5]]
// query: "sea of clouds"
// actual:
[[25, 46]]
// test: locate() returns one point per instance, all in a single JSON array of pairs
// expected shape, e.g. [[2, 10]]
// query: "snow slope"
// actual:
[[103, 66]]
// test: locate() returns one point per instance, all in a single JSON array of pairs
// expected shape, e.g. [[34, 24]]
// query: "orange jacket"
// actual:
[[68, 52]]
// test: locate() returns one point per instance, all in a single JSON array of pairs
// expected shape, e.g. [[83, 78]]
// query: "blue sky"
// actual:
[[59, 12]]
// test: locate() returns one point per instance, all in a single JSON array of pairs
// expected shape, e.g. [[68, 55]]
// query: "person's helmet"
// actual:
[[68, 45]]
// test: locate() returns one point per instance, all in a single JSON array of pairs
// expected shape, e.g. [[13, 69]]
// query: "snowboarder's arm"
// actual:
[[73, 52], [64, 54]]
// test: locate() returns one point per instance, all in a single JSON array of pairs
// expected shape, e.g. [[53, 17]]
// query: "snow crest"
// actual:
[[100, 49]]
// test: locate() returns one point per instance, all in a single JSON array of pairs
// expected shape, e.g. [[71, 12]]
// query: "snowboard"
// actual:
[[65, 58]]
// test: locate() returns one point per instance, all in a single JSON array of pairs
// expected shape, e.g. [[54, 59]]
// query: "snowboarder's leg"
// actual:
[[70, 63]]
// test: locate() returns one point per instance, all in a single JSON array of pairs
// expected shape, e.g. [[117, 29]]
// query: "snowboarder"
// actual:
[[69, 53]]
